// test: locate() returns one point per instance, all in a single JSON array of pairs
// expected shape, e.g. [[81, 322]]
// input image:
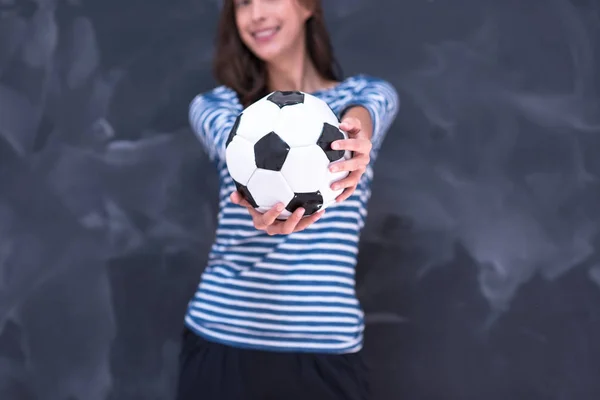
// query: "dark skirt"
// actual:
[[213, 371]]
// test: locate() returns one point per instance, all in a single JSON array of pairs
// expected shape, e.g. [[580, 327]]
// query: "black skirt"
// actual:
[[213, 371]]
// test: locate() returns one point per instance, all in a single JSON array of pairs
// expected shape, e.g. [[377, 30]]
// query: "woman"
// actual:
[[276, 315]]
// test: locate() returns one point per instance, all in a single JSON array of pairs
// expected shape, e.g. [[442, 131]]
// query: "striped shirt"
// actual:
[[288, 292]]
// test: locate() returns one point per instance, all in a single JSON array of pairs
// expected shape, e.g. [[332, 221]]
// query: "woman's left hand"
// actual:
[[359, 143]]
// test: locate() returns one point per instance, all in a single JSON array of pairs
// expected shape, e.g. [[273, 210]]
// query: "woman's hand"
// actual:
[[268, 221], [359, 143]]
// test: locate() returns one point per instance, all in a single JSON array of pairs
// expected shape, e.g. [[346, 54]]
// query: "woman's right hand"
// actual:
[[268, 221]]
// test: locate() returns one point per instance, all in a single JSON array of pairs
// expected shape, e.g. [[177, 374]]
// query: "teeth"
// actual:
[[265, 33]]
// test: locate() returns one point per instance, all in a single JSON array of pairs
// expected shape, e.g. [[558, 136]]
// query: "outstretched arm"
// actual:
[[212, 116], [366, 120]]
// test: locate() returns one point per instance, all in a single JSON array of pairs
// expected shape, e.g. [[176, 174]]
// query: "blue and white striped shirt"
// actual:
[[294, 292]]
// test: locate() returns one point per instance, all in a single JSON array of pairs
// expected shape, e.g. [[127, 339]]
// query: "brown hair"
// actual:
[[237, 67]]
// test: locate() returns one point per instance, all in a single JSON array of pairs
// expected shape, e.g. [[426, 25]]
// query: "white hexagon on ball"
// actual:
[[269, 188], [306, 169], [259, 119], [299, 125], [240, 159], [316, 106]]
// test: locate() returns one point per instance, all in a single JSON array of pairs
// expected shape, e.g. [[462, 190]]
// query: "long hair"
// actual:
[[237, 67]]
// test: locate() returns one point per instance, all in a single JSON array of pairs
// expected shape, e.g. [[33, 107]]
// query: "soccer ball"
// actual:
[[279, 150]]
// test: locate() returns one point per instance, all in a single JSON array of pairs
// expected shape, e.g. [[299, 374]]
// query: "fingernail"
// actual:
[[335, 187], [334, 169], [335, 146], [279, 207]]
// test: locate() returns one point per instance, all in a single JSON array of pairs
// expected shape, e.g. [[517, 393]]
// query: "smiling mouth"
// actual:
[[265, 33]]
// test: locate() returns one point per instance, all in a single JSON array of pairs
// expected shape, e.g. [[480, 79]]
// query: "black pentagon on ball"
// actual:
[[270, 152], [245, 193], [234, 129], [286, 98], [311, 202], [329, 135]]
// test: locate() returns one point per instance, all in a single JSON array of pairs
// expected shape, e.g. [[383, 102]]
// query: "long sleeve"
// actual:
[[212, 116], [380, 98]]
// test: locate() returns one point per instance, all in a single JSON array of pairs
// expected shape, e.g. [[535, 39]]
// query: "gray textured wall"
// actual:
[[480, 264]]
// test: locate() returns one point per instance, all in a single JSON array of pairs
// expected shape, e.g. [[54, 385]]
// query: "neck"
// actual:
[[295, 72]]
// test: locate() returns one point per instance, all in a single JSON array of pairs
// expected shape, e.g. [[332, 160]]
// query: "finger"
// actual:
[[305, 222], [345, 194], [235, 197], [251, 210], [238, 199], [350, 130], [357, 145], [244, 203], [287, 227], [351, 180], [351, 125], [268, 218], [353, 164]]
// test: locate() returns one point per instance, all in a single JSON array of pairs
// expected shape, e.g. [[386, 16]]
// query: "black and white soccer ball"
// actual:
[[279, 150]]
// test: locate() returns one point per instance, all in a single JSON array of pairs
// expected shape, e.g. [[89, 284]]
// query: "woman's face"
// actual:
[[271, 28]]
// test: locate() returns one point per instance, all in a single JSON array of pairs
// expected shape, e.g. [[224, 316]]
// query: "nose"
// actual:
[[258, 10]]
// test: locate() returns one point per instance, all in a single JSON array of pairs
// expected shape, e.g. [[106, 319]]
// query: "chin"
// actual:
[[268, 56], [269, 52]]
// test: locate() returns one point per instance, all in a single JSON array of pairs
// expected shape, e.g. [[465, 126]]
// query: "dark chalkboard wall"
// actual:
[[480, 264]]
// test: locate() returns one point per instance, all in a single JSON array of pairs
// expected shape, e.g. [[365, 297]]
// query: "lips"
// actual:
[[265, 34]]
